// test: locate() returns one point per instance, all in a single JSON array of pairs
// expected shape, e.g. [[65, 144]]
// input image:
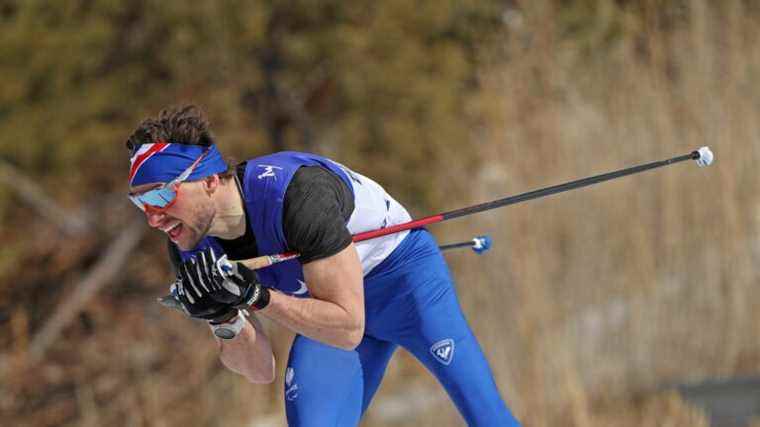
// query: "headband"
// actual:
[[164, 162]]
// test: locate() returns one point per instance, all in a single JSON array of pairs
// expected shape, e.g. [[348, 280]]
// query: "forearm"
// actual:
[[320, 320], [249, 354]]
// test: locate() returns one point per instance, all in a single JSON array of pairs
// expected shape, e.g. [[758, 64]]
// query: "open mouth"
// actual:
[[175, 231]]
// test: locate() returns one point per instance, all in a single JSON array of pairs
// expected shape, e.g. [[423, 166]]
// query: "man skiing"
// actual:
[[351, 305]]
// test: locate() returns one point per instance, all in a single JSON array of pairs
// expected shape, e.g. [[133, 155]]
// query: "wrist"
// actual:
[[229, 328], [224, 315], [258, 298]]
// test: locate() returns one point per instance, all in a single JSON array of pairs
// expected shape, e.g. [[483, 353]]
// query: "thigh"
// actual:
[[442, 340], [435, 331], [374, 355], [414, 305], [323, 385]]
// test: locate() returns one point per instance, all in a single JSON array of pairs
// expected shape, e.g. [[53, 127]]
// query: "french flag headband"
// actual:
[[164, 162]]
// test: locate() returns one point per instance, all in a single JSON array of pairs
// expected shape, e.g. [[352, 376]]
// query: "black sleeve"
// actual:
[[317, 207]]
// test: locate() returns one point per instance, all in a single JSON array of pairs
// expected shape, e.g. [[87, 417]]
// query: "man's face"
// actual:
[[188, 219]]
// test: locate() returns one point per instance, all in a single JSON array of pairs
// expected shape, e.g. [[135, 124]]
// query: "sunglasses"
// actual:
[[161, 198]]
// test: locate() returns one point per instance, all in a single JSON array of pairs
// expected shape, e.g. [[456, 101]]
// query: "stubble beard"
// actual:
[[197, 230]]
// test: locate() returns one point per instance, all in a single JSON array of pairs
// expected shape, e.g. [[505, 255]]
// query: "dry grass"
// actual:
[[594, 299], [589, 302]]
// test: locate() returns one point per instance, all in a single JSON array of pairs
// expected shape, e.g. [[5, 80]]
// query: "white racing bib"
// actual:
[[374, 208]]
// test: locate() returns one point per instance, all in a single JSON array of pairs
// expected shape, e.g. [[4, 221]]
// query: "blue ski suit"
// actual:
[[410, 301]]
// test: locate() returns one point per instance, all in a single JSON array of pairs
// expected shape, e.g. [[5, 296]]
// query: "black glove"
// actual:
[[213, 289]]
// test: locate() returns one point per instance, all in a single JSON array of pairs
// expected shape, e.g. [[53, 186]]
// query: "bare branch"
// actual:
[[103, 273], [34, 195]]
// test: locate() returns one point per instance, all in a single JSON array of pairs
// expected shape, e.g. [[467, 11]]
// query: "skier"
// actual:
[[351, 305]]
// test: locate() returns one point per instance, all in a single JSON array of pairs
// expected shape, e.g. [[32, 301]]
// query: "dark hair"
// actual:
[[176, 125]]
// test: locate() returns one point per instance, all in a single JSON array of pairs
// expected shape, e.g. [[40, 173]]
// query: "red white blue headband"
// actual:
[[162, 162]]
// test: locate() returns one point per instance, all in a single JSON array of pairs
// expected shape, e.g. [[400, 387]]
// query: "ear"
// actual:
[[211, 183]]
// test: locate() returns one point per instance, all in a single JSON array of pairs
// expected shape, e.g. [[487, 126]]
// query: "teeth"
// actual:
[[168, 230]]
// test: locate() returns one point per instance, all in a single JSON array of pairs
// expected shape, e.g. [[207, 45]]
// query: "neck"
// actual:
[[229, 221]]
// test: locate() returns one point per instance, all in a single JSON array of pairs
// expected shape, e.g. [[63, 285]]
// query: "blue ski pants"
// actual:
[[410, 302]]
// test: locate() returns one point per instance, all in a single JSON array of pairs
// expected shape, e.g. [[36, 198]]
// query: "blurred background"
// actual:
[[597, 307]]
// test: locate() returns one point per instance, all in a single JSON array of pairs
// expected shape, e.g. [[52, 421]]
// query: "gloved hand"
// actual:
[[213, 289]]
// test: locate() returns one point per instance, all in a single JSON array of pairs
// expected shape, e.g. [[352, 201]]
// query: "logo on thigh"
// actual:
[[291, 388], [443, 351]]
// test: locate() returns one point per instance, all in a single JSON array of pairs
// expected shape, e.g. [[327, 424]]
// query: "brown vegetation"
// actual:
[[590, 301]]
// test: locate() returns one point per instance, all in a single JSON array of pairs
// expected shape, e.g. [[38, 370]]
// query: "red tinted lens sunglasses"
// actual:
[[159, 199]]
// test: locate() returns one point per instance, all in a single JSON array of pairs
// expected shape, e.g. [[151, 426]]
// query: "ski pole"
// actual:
[[702, 156], [478, 244]]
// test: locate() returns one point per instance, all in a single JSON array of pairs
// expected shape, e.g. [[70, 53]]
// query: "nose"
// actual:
[[155, 219]]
